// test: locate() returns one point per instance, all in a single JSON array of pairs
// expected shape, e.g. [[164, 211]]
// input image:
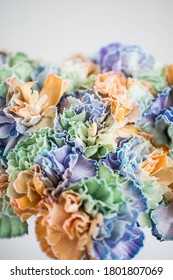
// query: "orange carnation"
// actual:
[[67, 230]]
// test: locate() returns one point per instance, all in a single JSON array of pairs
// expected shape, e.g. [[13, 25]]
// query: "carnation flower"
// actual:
[[80, 72], [117, 87], [30, 106], [132, 160], [118, 239], [128, 156], [64, 232], [109, 194], [100, 194], [76, 227], [159, 166], [128, 59], [124, 110], [111, 84], [133, 61], [60, 165], [157, 119], [22, 157], [65, 165], [106, 193], [89, 123], [22, 71], [29, 188]]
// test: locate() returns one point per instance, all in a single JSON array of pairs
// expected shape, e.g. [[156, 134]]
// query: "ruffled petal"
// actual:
[[162, 217]]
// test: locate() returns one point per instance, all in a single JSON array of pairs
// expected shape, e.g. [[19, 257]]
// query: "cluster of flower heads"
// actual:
[[87, 147]]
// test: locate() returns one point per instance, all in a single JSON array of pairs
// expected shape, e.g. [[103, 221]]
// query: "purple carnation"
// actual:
[[118, 239], [127, 59], [127, 157], [65, 165]]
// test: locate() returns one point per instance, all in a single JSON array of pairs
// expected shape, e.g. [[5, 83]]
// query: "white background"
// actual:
[[54, 29]]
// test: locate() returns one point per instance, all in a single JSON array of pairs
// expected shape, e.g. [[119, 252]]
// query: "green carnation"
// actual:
[[23, 155], [77, 76], [89, 123], [101, 194]]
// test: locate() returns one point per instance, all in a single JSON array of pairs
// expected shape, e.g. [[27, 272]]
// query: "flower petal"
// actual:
[[54, 87]]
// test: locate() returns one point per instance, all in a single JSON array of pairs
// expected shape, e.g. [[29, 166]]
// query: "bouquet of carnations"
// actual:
[[87, 148]]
